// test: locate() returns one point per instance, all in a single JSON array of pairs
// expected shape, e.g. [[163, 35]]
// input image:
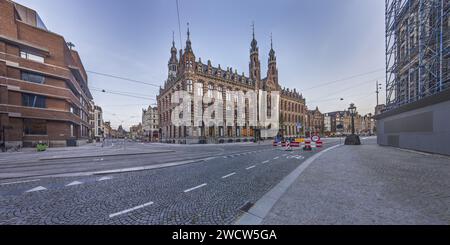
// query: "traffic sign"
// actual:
[[315, 138]]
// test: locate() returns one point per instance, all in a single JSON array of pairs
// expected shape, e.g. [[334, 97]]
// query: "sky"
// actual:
[[326, 49]]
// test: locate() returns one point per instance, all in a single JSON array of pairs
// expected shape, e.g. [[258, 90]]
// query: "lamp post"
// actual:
[[352, 110], [352, 139]]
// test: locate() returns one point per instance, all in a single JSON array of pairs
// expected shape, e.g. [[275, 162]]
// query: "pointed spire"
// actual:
[[173, 51], [253, 28], [188, 41], [173, 39], [272, 52], [254, 43], [188, 33], [271, 43]]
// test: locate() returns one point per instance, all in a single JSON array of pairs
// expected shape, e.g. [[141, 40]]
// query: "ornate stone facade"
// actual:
[[185, 70]]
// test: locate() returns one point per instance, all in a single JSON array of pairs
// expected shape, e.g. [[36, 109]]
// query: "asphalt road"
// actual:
[[210, 190]]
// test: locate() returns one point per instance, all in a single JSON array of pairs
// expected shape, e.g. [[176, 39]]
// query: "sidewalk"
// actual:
[[367, 184]]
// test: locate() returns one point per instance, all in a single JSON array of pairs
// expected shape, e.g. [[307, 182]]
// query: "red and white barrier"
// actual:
[[307, 144]]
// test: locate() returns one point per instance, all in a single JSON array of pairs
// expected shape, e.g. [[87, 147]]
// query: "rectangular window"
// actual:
[[230, 131], [32, 100], [71, 130], [34, 127], [75, 110], [32, 77], [220, 131], [30, 56]]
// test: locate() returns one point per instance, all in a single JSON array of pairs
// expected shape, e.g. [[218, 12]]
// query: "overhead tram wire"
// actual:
[[346, 89], [122, 94], [123, 78], [343, 79], [125, 92], [179, 24]]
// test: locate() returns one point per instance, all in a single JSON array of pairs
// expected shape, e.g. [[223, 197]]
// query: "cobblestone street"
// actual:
[[207, 191]]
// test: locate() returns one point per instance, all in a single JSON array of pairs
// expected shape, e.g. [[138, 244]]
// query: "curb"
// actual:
[[259, 211], [105, 155]]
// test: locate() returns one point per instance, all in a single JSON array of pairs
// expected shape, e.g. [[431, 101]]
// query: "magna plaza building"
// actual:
[[185, 70], [44, 95]]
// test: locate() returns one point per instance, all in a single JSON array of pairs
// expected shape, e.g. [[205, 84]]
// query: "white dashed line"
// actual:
[[105, 178], [266, 161], [75, 183], [130, 209], [250, 167], [19, 182], [193, 188], [39, 188], [228, 175]]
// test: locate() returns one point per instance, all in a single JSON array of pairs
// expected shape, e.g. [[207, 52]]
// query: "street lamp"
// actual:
[[352, 139], [352, 110]]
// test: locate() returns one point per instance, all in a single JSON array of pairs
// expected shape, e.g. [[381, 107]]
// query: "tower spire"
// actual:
[[188, 41], [272, 52], [188, 33], [254, 66], [254, 43], [271, 43], [173, 39], [253, 29]]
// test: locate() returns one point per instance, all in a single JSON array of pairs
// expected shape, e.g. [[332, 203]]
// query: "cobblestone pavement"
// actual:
[[208, 192], [368, 184]]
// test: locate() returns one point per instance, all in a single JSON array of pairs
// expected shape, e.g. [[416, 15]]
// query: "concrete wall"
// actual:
[[424, 129]]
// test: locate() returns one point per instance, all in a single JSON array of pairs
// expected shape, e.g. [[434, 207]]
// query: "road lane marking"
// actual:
[[266, 161], [250, 167], [75, 183], [105, 178], [39, 188], [19, 182], [275, 158], [193, 188], [130, 209], [228, 175]]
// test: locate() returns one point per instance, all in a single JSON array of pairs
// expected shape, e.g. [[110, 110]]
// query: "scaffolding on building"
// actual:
[[417, 50]]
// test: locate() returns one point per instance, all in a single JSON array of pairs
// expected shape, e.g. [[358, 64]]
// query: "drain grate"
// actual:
[[247, 205]]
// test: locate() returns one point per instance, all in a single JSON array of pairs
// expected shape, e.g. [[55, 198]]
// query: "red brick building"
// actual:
[[315, 121], [44, 93]]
